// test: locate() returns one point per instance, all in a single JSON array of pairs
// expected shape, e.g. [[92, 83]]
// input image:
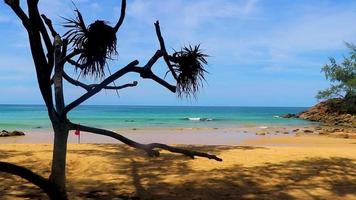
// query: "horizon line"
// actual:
[[5, 104]]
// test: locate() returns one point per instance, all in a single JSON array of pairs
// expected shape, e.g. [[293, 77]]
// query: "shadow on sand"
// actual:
[[132, 175]]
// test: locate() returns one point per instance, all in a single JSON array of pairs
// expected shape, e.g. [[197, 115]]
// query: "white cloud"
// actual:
[[189, 13], [292, 44]]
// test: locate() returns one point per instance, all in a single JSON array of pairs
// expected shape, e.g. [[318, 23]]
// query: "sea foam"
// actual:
[[199, 119]]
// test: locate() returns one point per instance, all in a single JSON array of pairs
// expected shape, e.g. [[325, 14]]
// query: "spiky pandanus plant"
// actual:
[[189, 65], [97, 43]]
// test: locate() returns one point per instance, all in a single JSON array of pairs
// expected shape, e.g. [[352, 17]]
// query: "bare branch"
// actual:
[[128, 68], [164, 83], [46, 38], [145, 72], [154, 59], [76, 64], [38, 25], [43, 69], [48, 187], [149, 148], [49, 25], [75, 82], [15, 6], [71, 55], [120, 87], [122, 16], [164, 50], [91, 86], [148, 74]]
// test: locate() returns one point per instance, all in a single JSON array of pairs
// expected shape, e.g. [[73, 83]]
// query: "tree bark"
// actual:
[[58, 173], [51, 189]]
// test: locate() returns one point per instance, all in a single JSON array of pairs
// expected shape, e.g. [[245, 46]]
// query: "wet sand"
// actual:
[[206, 136], [292, 167]]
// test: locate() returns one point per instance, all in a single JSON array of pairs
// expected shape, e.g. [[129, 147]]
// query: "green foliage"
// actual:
[[342, 106], [343, 79], [342, 76]]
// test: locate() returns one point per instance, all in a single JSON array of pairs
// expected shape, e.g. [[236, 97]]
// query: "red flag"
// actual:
[[77, 132]]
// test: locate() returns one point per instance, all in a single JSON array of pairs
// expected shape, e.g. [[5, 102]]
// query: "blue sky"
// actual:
[[263, 52]]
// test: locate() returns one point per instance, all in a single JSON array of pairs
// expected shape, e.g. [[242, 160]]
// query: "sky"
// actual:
[[262, 52]]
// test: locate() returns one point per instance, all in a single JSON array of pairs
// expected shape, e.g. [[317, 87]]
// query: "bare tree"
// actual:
[[92, 46]]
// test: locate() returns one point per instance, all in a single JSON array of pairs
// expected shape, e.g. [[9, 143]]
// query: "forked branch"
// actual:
[[99, 87], [164, 50], [15, 6], [151, 149], [145, 72], [49, 25]]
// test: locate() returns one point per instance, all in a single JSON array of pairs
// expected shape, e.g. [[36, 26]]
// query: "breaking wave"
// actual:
[[199, 119]]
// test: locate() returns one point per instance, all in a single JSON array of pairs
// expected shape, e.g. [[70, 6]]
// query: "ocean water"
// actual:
[[32, 117]]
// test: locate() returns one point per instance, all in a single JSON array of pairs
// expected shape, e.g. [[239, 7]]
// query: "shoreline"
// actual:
[[237, 135], [188, 136]]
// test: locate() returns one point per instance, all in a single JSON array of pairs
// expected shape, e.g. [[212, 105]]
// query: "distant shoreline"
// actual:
[[186, 136]]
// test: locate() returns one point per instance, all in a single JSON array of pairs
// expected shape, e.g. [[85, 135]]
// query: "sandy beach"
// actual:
[[279, 167], [187, 136], [177, 100]]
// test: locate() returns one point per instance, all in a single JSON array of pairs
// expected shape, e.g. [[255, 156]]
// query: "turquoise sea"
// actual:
[[33, 117]]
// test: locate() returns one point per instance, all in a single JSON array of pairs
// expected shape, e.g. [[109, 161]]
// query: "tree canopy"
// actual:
[[343, 81]]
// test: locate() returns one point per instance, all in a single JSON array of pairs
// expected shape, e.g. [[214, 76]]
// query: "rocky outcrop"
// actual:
[[290, 115], [330, 131], [327, 114], [5, 133]]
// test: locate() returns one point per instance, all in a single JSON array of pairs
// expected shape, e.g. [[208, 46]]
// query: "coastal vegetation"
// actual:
[[88, 48], [341, 95], [338, 106]]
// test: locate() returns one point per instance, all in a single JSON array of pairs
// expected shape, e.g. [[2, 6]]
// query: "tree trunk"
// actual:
[[58, 173]]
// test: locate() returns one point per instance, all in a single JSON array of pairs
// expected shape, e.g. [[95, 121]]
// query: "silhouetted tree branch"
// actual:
[[49, 25], [147, 73], [48, 187], [32, 23], [92, 46], [154, 59], [122, 16], [101, 86], [89, 87], [164, 50], [70, 56], [15, 6], [149, 148], [76, 64]]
